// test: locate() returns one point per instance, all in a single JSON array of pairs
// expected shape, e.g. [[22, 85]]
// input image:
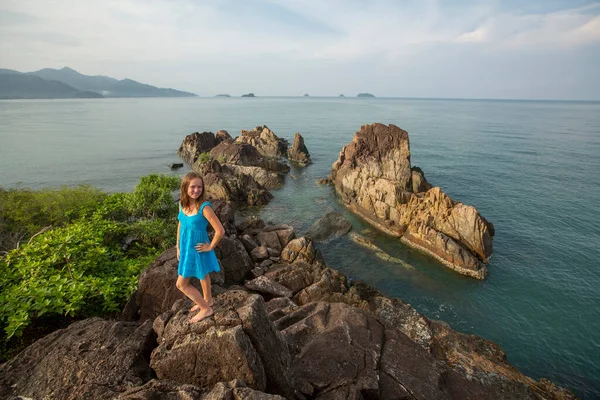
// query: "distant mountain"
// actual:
[[223, 95], [365, 95], [248, 95], [16, 85], [107, 86]]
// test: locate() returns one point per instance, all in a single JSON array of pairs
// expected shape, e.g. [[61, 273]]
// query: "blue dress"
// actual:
[[193, 231]]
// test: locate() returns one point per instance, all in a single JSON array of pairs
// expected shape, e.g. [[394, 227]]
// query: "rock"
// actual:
[[300, 249], [176, 165], [374, 179], [265, 285], [259, 253], [238, 342], [195, 144], [237, 189], [265, 141], [298, 152], [331, 226], [90, 359], [270, 240], [419, 183], [162, 389], [237, 390], [222, 135], [234, 260], [323, 181], [249, 243]]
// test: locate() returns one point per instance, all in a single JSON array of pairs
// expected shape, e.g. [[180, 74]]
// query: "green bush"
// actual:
[[152, 197], [80, 268], [25, 212]]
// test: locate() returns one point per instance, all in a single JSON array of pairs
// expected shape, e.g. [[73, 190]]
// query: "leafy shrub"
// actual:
[[80, 269], [24, 212], [152, 197]]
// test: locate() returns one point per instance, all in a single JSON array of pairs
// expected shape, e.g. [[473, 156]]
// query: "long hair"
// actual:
[[186, 201]]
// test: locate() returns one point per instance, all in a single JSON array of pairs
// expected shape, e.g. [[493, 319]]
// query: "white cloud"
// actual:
[[187, 43]]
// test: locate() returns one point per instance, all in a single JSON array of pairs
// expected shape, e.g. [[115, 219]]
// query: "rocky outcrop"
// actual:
[[195, 144], [374, 178], [222, 182], [290, 328], [298, 152], [332, 225], [265, 141], [244, 159], [91, 359]]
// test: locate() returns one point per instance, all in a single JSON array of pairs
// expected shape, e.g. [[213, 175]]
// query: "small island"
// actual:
[[341, 95], [248, 95], [223, 95], [306, 95], [365, 95]]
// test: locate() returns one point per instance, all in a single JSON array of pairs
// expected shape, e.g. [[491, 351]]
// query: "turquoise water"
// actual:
[[532, 168]]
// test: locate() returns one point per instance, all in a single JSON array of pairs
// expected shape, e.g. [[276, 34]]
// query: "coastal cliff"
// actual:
[[374, 178]]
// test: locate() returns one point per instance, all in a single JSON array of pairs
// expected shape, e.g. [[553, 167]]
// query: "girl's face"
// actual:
[[195, 188]]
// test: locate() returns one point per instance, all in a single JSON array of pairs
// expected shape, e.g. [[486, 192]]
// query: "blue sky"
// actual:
[[458, 49]]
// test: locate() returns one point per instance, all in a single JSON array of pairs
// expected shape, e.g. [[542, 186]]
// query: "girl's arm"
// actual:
[[178, 229], [217, 226]]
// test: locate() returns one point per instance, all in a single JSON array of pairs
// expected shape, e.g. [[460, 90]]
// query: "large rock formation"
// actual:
[[296, 329], [374, 178]]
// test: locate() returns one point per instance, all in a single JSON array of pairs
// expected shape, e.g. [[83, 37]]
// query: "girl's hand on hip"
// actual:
[[203, 247]]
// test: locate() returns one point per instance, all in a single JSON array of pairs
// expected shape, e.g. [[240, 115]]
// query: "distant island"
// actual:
[[341, 95], [248, 95], [223, 95], [365, 95], [306, 95], [66, 83]]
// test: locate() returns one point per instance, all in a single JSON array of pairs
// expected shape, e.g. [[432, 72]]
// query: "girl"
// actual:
[[194, 251]]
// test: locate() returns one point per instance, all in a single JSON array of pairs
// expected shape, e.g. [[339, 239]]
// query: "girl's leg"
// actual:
[[193, 294], [206, 291]]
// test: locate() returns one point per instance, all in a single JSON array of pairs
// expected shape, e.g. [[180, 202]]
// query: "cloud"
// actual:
[[188, 43]]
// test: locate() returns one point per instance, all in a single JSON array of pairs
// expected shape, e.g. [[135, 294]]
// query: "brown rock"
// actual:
[[298, 152], [222, 135], [90, 359], [195, 144], [265, 141]]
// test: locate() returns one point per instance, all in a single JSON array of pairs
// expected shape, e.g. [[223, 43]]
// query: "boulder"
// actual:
[[330, 226], [91, 359], [374, 178], [237, 189], [238, 342], [195, 144], [222, 135], [265, 141], [298, 152]]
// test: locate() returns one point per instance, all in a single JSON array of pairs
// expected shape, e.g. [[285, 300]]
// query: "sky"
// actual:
[[513, 49]]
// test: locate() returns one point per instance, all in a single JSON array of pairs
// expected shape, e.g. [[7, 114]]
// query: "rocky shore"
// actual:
[[285, 324]]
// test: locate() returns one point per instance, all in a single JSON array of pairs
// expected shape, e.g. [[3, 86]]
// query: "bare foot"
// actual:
[[197, 307], [202, 315]]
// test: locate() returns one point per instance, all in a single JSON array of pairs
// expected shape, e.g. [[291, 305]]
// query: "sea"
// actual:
[[532, 168]]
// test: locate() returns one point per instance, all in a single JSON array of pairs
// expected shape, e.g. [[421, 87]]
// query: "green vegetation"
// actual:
[[80, 267], [203, 157]]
